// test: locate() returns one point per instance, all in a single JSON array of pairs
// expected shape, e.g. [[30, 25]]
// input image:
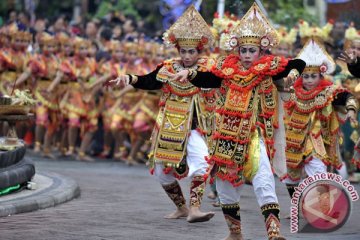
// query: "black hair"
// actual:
[[26, 14], [106, 34], [133, 20]]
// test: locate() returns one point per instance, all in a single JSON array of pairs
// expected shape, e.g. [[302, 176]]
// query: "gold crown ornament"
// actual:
[[254, 29], [316, 57], [63, 38], [81, 42], [128, 45], [320, 34], [115, 44], [46, 38], [149, 45], [286, 37], [351, 35], [189, 30], [14, 32]]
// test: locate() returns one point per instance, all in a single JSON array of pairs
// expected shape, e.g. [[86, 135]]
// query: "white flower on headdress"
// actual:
[[315, 55]]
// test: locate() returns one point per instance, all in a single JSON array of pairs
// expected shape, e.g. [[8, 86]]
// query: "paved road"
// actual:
[[120, 202]]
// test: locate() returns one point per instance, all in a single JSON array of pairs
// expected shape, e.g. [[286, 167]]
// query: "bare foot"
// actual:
[[37, 148], [105, 154], [195, 215], [179, 213], [234, 236], [48, 155], [69, 153], [131, 162], [85, 158]]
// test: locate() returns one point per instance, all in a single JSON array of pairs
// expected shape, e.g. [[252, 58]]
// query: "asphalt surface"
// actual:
[[121, 202]]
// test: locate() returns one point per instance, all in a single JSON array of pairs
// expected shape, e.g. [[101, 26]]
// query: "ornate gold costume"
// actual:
[[178, 103]]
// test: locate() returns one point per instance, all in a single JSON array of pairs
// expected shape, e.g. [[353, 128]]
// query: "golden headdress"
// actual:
[[190, 30], [351, 34], [316, 58], [320, 34], [15, 31], [63, 38], [254, 29], [115, 44], [223, 27], [287, 37], [81, 42], [128, 45], [147, 45], [46, 38]]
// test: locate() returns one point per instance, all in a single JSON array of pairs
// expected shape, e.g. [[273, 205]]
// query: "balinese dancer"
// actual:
[[65, 52], [110, 70], [79, 102], [352, 55], [350, 131], [178, 149], [312, 121], [284, 49], [14, 59], [123, 117], [243, 141], [43, 68], [147, 109]]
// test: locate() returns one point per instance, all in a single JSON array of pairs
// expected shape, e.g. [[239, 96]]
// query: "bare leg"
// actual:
[[64, 141], [72, 136], [108, 138], [85, 143], [47, 145], [120, 151], [39, 136]]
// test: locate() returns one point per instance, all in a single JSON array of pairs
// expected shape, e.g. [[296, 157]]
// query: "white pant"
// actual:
[[197, 150], [263, 183], [314, 166]]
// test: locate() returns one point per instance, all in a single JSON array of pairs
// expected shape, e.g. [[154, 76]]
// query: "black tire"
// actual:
[[9, 158], [19, 173]]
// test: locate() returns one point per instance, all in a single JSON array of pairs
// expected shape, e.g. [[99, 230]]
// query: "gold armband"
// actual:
[[133, 79], [352, 104], [294, 72], [192, 74]]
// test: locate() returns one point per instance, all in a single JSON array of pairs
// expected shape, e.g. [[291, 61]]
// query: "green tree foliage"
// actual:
[[288, 12]]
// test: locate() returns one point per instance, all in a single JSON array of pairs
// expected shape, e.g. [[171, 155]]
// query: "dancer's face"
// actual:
[[189, 56], [67, 49], [311, 80], [49, 48], [283, 50], [248, 54], [132, 55], [119, 54], [83, 51]]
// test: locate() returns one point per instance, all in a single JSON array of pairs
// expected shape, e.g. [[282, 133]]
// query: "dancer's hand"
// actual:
[[181, 76], [348, 57], [289, 80], [351, 115], [121, 81]]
